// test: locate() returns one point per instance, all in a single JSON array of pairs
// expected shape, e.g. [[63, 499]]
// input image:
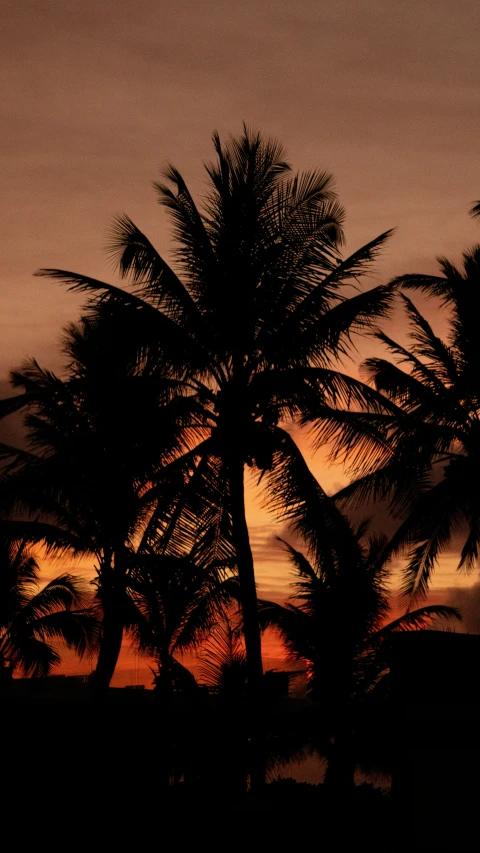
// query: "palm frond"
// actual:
[[432, 524], [293, 625], [35, 658], [420, 619], [160, 331], [302, 318], [79, 630], [359, 440], [138, 260], [222, 661], [295, 496], [432, 285], [429, 346], [331, 334], [64, 591], [302, 565], [475, 210]]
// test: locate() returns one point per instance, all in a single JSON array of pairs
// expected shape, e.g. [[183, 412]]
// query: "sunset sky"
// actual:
[[98, 95]]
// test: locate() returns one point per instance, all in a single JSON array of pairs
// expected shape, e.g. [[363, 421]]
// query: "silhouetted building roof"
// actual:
[[435, 666], [436, 739]]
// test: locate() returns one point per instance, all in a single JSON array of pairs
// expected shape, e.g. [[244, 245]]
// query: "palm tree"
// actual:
[[179, 600], [223, 662], [250, 319], [336, 623], [428, 455], [31, 617], [88, 484]]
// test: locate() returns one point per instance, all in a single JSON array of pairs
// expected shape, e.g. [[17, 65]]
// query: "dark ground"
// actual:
[[102, 774]]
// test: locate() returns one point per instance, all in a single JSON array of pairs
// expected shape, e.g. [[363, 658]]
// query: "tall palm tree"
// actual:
[[428, 444], [250, 317], [97, 439], [336, 622], [33, 617]]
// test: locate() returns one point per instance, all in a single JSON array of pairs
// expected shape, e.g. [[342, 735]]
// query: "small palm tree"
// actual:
[[178, 600], [336, 626], [250, 319], [336, 621], [32, 617], [223, 663]]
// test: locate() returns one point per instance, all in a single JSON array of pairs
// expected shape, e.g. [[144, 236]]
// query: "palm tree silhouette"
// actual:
[[429, 441], [336, 621], [179, 600], [222, 660], [250, 320], [97, 443], [32, 618]]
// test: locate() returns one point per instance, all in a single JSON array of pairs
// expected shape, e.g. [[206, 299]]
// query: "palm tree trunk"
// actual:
[[112, 597], [251, 624], [109, 650], [246, 573]]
